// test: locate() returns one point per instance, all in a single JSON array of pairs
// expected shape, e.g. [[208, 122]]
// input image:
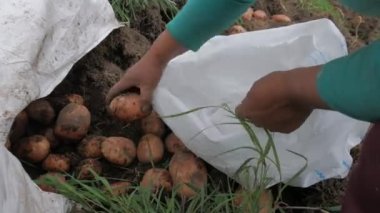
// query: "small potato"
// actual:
[[150, 149], [19, 126], [247, 15], [41, 181], [174, 144], [75, 98], [127, 107], [187, 170], [260, 14], [265, 201], [120, 188], [153, 124], [156, 179], [41, 111], [49, 134], [119, 150], [73, 122], [90, 146], [281, 18], [86, 166], [34, 148], [236, 29], [56, 163]]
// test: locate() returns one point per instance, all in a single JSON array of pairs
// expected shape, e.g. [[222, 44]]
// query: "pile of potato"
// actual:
[[39, 129]]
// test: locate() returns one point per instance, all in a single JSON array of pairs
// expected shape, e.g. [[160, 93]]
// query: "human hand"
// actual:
[[146, 73], [282, 101]]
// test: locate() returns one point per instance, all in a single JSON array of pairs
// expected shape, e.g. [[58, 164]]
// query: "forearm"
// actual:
[[351, 84], [164, 49], [200, 20]]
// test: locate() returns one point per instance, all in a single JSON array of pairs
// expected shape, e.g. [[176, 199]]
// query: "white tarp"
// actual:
[[223, 71], [40, 40]]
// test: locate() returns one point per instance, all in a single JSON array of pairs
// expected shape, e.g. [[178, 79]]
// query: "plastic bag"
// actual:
[[223, 71], [40, 41]]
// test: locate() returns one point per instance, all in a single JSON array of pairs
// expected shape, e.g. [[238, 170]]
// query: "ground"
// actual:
[[95, 73]]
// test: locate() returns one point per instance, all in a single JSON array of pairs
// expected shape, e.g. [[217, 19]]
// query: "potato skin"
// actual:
[[174, 144], [120, 188], [85, 166], [281, 18], [153, 124], [119, 150], [156, 179], [19, 126], [34, 148], [56, 163], [44, 187], [150, 149], [73, 122], [186, 169], [41, 111], [127, 107], [75, 98], [90, 146], [265, 201]]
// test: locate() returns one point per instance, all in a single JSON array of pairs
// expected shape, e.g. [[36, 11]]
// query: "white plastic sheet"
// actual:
[[40, 40], [223, 71]]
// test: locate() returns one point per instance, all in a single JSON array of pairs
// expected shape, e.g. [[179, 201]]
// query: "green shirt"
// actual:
[[350, 84]]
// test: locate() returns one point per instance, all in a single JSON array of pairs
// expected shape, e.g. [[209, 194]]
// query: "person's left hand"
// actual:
[[282, 101]]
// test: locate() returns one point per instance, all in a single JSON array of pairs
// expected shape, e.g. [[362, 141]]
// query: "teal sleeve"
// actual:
[[200, 20], [351, 84], [366, 7]]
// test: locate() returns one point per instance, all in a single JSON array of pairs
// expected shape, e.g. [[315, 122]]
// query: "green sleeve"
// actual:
[[366, 7], [351, 84], [199, 20]]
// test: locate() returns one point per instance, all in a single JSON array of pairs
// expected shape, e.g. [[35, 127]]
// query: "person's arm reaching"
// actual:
[[197, 22]]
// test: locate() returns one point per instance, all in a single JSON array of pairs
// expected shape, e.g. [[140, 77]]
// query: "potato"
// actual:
[[19, 126], [41, 181], [247, 15], [90, 146], [150, 149], [153, 124], [41, 111], [281, 18], [174, 144], [260, 14], [156, 179], [119, 150], [236, 29], [187, 170], [56, 163], [120, 188], [75, 98], [86, 166], [49, 134], [127, 107], [34, 148], [73, 122], [265, 201]]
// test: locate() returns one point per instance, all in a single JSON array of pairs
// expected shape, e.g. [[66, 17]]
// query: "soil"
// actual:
[[95, 73]]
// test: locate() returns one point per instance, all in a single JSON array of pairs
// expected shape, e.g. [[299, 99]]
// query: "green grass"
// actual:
[[126, 10], [322, 6]]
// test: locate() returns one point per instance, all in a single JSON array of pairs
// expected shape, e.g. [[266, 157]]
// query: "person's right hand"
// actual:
[[145, 75], [147, 72]]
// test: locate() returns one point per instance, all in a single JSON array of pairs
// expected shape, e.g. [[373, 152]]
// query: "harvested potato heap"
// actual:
[[41, 129]]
